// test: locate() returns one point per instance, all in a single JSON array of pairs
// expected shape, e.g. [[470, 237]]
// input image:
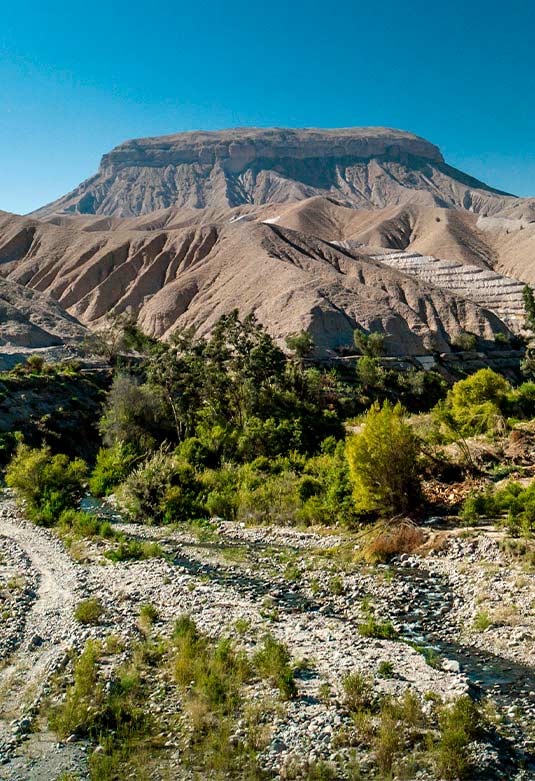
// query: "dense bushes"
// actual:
[[161, 490], [513, 503], [49, 484], [112, 466], [382, 460]]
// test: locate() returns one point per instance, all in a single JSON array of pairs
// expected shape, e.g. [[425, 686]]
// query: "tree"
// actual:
[[369, 374], [529, 307], [476, 404], [300, 344], [382, 460], [372, 344], [119, 336], [133, 415]]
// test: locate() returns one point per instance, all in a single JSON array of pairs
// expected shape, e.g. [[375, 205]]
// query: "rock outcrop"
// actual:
[[359, 167]]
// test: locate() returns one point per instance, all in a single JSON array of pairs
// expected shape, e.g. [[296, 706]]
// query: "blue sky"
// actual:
[[77, 79]]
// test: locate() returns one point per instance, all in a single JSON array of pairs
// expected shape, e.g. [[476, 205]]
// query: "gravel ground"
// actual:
[[299, 586]]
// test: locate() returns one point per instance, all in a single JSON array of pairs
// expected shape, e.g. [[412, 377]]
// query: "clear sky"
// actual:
[[78, 78]]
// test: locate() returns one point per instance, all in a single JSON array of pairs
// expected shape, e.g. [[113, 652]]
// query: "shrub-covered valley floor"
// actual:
[[268, 570]]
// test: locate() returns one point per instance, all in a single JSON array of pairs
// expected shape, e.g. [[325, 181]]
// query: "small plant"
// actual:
[[459, 724], [482, 621], [357, 690], [382, 630], [89, 611], [336, 585], [134, 550], [242, 625], [385, 670], [148, 615]]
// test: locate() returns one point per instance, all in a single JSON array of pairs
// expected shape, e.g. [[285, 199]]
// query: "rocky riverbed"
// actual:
[[308, 590]]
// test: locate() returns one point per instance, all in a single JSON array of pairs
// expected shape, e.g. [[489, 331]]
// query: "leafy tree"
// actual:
[[382, 459], [120, 335], [133, 415], [476, 404], [372, 344], [300, 344], [369, 374], [464, 341], [529, 307]]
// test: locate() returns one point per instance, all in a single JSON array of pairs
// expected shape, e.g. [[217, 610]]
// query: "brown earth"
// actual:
[[180, 276]]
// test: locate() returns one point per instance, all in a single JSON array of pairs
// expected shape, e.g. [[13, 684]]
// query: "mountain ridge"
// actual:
[[359, 167]]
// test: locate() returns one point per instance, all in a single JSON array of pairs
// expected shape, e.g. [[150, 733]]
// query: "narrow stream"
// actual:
[[510, 684]]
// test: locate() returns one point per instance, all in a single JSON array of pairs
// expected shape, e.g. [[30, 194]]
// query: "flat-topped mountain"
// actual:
[[357, 167]]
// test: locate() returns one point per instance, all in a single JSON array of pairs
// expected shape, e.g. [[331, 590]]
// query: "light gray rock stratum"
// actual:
[[359, 167]]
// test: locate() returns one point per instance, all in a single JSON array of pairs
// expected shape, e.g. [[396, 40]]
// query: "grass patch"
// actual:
[[382, 630], [135, 550], [272, 661], [89, 611]]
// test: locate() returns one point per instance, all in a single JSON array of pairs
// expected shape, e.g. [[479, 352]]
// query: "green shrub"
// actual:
[[84, 525], [383, 630], [89, 611], [269, 499], [161, 490], [460, 724], [521, 401], [115, 715], [482, 621], [464, 341], [475, 405], [272, 660], [76, 714], [382, 461], [148, 615], [111, 467], [49, 484], [369, 344], [358, 691], [212, 673], [513, 504], [135, 550], [386, 670]]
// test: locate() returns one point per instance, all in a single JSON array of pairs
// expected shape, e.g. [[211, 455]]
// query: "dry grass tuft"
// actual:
[[403, 537]]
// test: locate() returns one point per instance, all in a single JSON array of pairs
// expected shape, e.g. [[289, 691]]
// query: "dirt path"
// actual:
[[48, 627]]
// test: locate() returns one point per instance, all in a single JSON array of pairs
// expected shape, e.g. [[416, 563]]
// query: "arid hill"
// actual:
[[318, 229], [31, 319], [358, 167], [184, 275]]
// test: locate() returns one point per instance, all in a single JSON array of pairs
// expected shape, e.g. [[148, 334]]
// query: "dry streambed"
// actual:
[[302, 588]]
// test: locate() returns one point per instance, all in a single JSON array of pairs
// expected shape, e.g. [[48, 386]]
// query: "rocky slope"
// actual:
[[30, 319], [189, 274], [359, 167]]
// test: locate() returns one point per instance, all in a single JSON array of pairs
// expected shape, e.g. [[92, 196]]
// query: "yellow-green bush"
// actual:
[[382, 459], [49, 484]]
